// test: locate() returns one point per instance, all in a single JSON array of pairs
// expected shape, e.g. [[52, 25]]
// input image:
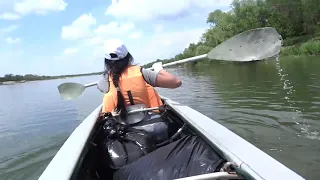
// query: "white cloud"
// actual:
[[9, 16], [80, 28], [39, 6], [88, 35], [83, 29], [9, 29], [15, 9], [114, 28], [110, 43], [149, 47], [69, 51], [102, 33], [163, 45], [11, 40], [157, 44], [157, 9], [146, 41], [135, 35], [95, 41], [158, 28]]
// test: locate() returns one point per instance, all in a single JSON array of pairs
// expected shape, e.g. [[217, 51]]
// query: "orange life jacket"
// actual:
[[131, 81]]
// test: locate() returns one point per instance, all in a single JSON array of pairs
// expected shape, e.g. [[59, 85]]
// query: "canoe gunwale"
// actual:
[[64, 162], [252, 162], [212, 176]]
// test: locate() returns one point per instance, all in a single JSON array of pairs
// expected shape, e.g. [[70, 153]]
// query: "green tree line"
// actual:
[[31, 77], [296, 20], [27, 77]]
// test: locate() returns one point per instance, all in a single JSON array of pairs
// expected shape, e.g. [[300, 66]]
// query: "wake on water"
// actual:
[[288, 87]]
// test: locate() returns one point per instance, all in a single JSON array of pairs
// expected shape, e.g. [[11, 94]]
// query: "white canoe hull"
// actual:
[[252, 161]]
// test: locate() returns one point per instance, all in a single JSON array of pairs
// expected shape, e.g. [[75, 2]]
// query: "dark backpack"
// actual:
[[124, 145]]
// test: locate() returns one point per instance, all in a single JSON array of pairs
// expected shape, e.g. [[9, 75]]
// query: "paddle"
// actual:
[[252, 45]]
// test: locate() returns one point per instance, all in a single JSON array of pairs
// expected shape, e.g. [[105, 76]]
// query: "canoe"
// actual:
[[246, 160]]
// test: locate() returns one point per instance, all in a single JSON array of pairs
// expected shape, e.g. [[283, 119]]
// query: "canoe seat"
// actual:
[[134, 117]]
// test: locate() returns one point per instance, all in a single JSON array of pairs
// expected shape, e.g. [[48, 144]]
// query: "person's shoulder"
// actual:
[[149, 76], [135, 66]]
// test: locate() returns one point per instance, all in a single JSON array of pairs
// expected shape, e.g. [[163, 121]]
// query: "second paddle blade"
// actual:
[[70, 90], [252, 45]]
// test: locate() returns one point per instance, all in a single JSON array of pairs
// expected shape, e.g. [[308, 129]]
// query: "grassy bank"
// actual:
[[309, 48]]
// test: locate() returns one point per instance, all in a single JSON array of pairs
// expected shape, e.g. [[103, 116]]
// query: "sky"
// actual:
[[58, 37]]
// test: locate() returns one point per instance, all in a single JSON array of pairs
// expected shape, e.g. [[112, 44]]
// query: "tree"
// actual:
[[290, 17]]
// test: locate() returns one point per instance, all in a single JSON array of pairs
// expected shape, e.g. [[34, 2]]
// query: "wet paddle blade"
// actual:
[[252, 45], [70, 91]]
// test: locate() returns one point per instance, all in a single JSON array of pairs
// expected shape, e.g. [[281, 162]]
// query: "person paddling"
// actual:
[[127, 84]]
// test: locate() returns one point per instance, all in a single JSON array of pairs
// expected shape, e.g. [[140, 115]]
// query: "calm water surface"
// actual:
[[275, 105]]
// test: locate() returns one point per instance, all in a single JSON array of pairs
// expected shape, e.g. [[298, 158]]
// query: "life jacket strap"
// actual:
[[130, 97]]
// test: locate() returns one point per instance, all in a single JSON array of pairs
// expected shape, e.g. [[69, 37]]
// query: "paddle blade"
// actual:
[[256, 44], [70, 91]]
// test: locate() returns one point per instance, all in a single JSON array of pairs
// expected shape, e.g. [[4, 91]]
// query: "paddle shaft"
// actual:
[[195, 58], [91, 84]]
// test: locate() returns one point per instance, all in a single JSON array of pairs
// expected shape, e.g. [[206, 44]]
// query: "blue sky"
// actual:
[[54, 37]]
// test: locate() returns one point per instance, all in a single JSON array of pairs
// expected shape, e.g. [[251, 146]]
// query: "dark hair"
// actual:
[[115, 69]]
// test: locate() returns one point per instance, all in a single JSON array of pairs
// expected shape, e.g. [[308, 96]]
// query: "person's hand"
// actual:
[[157, 66], [103, 84]]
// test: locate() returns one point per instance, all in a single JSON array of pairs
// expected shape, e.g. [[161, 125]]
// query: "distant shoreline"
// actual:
[[17, 79]]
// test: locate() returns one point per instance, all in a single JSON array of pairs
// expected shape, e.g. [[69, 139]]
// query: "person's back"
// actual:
[[126, 84]]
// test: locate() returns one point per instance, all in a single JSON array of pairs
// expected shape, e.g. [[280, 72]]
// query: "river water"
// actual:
[[274, 105]]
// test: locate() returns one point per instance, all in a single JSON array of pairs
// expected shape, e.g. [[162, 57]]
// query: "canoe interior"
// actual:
[[91, 167]]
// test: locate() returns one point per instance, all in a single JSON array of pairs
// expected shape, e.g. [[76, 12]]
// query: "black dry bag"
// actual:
[[128, 147]]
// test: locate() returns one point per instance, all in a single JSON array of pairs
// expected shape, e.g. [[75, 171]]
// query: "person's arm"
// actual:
[[160, 78], [167, 80]]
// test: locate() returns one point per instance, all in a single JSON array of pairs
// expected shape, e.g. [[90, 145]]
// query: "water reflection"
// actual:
[[277, 112]]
